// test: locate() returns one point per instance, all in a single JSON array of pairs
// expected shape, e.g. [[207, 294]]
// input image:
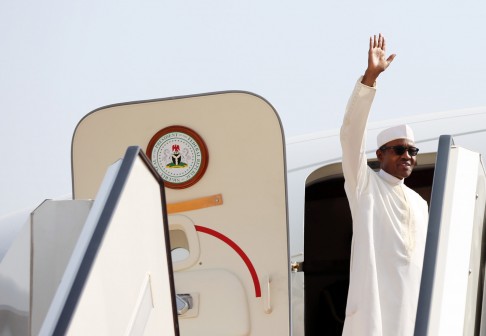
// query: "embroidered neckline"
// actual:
[[408, 230]]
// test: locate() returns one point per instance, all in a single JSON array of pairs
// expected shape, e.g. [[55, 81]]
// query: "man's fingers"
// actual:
[[380, 41], [390, 58]]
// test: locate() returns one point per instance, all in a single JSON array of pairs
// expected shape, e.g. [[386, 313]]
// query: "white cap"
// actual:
[[393, 133]]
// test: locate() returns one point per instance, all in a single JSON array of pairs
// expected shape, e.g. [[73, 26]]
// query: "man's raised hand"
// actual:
[[377, 61]]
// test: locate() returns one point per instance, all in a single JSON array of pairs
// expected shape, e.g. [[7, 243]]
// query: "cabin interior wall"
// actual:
[[327, 239]]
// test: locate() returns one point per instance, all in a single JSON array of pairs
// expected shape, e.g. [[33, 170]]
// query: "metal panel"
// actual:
[[435, 215], [449, 278], [119, 279]]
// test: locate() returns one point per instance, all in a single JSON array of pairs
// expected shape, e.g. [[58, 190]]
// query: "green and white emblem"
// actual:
[[179, 155]]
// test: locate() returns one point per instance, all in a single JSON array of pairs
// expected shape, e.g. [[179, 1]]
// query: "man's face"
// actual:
[[400, 166]]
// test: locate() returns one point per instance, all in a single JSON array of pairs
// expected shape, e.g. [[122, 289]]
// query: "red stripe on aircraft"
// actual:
[[234, 246]]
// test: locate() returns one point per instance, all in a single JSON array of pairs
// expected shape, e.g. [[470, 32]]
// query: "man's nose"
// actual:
[[406, 155]]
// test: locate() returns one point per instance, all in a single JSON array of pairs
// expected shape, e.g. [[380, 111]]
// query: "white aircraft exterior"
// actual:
[[257, 221]]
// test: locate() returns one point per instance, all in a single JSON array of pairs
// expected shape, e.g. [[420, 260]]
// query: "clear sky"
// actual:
[[62, 59]]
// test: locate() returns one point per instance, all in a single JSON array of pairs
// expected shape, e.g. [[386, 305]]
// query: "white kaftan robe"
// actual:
[[389, 232]]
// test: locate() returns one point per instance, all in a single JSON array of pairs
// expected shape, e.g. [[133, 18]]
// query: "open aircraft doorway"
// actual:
[[327, 242]]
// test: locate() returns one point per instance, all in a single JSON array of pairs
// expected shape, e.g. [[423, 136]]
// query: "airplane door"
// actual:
[[222, 158], [451, 293]]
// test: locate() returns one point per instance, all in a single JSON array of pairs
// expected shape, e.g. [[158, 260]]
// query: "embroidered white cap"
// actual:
[[393, 133]]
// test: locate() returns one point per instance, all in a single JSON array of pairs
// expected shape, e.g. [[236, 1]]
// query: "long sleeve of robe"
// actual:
[[389, 232]]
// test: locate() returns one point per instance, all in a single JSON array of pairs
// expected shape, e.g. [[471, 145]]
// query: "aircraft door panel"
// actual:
[[231, 224]]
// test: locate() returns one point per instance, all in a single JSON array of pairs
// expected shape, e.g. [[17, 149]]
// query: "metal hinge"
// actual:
[[297, 266]]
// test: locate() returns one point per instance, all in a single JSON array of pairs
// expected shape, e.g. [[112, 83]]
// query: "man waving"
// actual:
[[389, 219]]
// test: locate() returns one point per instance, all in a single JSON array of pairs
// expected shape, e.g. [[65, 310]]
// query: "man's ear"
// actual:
[[379, 155]]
